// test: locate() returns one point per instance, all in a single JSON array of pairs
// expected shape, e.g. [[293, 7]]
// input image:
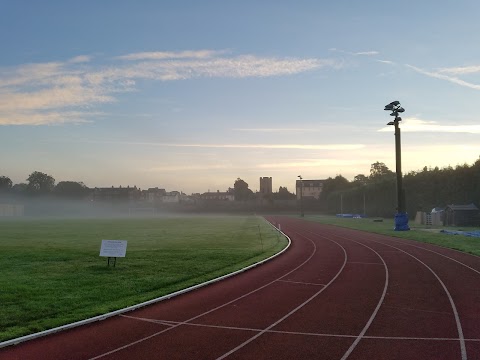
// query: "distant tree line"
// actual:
[[373, 194], [41, 184], [376, 195]]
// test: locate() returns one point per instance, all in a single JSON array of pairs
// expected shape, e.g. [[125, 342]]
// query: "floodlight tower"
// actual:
[[401, 217], [301, 196]]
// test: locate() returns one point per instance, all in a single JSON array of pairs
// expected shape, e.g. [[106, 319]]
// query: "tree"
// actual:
[[5, 183], [19, 189], [360, 179], [71, 189], [338, 183], [380, 171], [40, 183], [241, 190], [283, 194]]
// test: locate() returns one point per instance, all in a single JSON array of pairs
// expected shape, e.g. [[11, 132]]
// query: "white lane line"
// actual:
[[380, 302], [365, 263], [300, 332], [374, 314], [463, 350], [406, 242], [435, 252], [161, 322], [419, 310], [301, 282], [208, 311], [222, 327], [294, 310]]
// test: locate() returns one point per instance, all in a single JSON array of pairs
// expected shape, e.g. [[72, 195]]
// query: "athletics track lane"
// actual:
[[335, 294]]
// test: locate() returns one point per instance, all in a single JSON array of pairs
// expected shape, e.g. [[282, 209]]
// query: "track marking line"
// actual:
[[364, 263], [419, 310], [435, 252], [300, 333], [292, 311], [301, 282], [209, 311], [463, 350], [161, 322], [377, 308], [380, 302]]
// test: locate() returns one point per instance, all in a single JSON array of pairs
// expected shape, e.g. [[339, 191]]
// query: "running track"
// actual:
[[335, 294]]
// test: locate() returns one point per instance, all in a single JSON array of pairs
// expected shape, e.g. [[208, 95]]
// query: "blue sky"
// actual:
[[190, 95]]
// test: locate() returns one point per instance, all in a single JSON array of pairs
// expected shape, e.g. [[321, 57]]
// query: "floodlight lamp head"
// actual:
[[394, 113], [398, 118], [395, 103], [391, 123], [400, 110], [388, 107]]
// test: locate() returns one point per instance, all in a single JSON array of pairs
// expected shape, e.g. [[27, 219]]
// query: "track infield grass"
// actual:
[[418, 233], [52, 274]]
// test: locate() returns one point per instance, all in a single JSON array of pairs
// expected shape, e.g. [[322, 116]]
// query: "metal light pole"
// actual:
[[401, 217], [301, 196]]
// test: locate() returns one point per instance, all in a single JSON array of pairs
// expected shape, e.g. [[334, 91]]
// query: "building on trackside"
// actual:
[[309, 189], [265, 186]]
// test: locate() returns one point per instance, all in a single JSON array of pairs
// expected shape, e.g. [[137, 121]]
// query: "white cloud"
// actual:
[[461, 70], [29, 74], [163, 55], [31, 89], [49, 118], [440, 76], [235, 67], [385, 62], [187, 168], [263, 130], [413, 124], [271, 146], [52, 98], [367, 53], [358, 53], [314, 163], [80, 59], [339, 147]]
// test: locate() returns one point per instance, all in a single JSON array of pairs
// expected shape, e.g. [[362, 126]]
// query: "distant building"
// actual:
[[218, 196], [116, 194], [171, 197], [461, 215], [153, 195], [311, 189], [265, 185]]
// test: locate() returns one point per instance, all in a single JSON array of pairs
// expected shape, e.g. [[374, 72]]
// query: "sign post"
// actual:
[[113, 249]]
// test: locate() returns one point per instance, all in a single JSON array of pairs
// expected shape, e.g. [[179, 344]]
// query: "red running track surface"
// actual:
[[335, 294]]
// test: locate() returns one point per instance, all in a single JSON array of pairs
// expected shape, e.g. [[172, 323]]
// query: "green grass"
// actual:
[[418, 232], [51, 272]]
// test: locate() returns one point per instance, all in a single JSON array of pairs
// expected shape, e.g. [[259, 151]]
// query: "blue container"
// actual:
[[401, 222]]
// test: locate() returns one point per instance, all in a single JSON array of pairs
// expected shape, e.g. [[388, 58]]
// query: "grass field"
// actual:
[[51, 272], [418, 232]]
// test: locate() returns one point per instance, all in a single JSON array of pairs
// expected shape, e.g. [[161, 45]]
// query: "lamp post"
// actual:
[[301, 196], [401, 217]]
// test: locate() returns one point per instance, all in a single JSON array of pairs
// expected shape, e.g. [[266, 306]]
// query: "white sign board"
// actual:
[[113, 248]]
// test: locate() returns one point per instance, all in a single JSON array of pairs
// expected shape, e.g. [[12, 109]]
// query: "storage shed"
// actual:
[[461, 215]]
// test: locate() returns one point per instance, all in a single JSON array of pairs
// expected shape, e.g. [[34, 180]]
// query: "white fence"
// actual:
[[11, 210], [433, 219]]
